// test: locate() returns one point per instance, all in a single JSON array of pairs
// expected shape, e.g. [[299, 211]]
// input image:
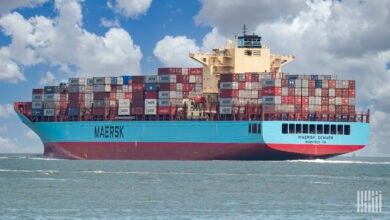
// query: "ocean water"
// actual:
[[33, 187]]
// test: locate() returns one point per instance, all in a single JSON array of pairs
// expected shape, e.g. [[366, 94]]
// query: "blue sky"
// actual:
[[46, 40]]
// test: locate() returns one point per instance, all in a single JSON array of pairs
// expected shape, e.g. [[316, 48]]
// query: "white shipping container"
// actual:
[[179, 94], [298, 91], [150, 102], [123, 103], [284, 91], [325, 84], [305, 83], [278, 82], [332, 101], [192, 79], [298, 83], [234, 85], [184, 71], [339, 84], [88, 89], [52, 97], [225, 101], [312, 108], [226, 85], [338, 101], [151, 79], [255, 86], [172, 94], [101, 80], [312, 100], [48, 112], [37, 97], [37, 105], [164, 102], [163, 94], [318, 92], [120, 95], [119, 80], [305, 91], [345, 84], [113, 103], [224, 110], [248, 85], [150, 110], [101, 88], [124, 111], [179, 86], [125, 88], [318, 101], [254, 94], [77, 81], [198, 79], [332, 92]]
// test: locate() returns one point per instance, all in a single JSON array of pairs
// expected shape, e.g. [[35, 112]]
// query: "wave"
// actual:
[[340, 162], [30, 171], [43, 158]]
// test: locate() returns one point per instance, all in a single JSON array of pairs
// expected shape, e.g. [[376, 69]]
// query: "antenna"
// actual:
[[244, 29]]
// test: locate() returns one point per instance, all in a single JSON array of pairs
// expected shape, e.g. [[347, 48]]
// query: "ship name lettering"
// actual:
[[109, 131]]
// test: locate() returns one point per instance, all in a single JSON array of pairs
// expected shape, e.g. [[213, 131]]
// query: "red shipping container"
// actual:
[[137, 103], [268, 91], [63, 104], [185, 87], [112, 95], [351, 93], [137, 110], [339, 109], [325, 92], [325, 100], [259, 93], [332, 84], [351, 109], [76, 97], [351, 84], [290, 100], [138, 80], [297, 100], [128, 95], [138, 87], [345, 109], [98, 111], [339, 92], [185, 94], [37, 91], [179, 78], [273, 75], [248, 77], [345, 92], [229, 77], [305, 100], [164, 110], [167, 86], [284, 82], [185, 78], [298, 108], [312, 83], [284, 100], [195, 71], [325, 109], [100, 95], [151, 95], [138, 95], [255, 77], [278, 91], [291, 91], [305, 108], [345, 101], [312, 92], [75, 104], [241, 85], [229, 93]]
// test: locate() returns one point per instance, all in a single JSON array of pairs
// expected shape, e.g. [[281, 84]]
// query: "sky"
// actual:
[[46, 41]]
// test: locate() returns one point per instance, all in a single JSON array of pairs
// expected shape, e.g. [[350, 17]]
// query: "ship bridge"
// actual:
[[244, 54]]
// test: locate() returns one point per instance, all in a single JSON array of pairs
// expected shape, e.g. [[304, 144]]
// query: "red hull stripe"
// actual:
[[316, 150], [190, 151]]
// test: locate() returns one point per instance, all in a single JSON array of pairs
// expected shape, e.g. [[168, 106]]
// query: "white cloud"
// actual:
[[6, 110], [110, 23], [9, 70], [47, 79], [130, 8], [12, 145], [62, 42], [213, 39], [174, 51], [7, 6]]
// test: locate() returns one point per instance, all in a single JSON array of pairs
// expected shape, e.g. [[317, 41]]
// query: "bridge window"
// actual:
[[254, 128], [347, 129], [312, 129], [305, 128], [298, 128], [259, 128], [326, 129], [340, 129], [333, 129], [319, 129], [291, 128], [284, 129]]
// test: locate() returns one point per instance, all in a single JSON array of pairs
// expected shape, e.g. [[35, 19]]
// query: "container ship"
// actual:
[[238, 106]]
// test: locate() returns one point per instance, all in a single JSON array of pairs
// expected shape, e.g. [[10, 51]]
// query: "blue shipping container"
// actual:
[[126, 79], [73, 111], [151, 87], [318, 83], [36, 112], [291, 83]]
